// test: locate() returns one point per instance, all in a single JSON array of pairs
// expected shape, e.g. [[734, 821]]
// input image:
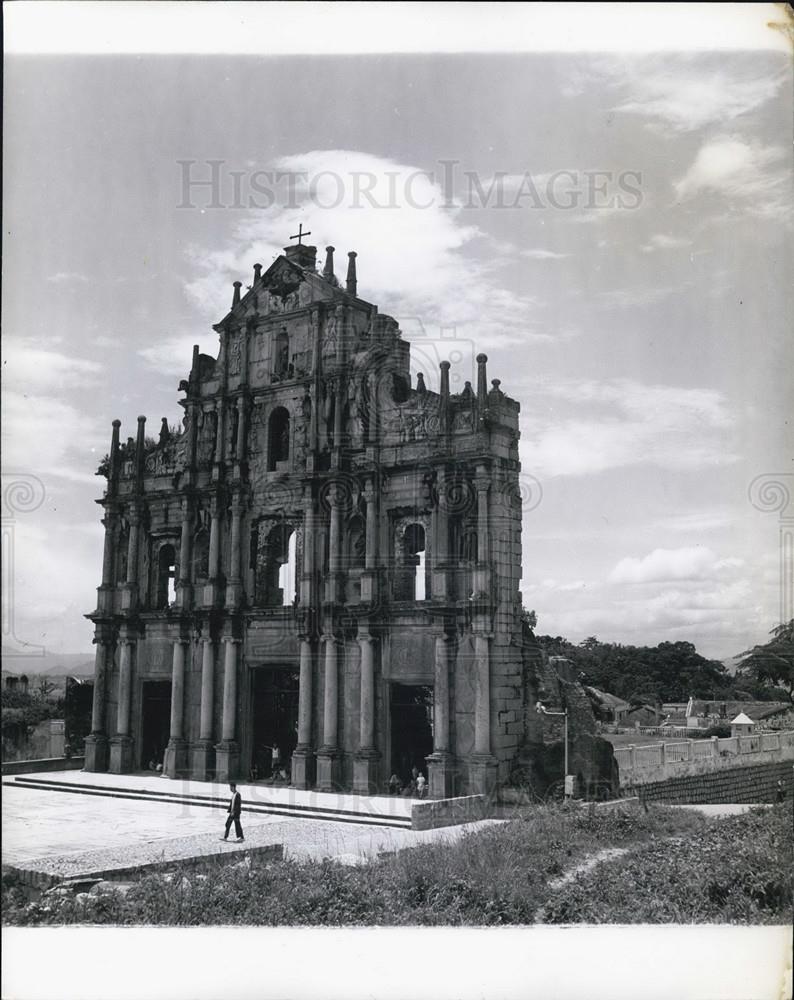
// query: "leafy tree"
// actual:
[[529, 618], [671, 671], [772, 664]]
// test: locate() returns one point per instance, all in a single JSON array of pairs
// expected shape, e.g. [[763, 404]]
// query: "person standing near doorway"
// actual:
[[235, 808]]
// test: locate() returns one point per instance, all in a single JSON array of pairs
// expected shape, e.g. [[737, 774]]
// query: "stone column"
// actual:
[[440, 540], [328, 754], [482, 573], [365, 765], [121, 745], [242, 430], [183, 585], [218, 458], [482, 765], [215, 540], [482, 689], [175, 763], [96, 744], [211, 587], [334, 550], [202, 752], [129, 593], [106, 588], [309, 526], [440, 763], [234, 585], [227, 752], [303, 757], [192, 411], [369, 578]]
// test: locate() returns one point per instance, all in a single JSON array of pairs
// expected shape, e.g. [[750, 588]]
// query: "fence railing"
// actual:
[[633, 758]]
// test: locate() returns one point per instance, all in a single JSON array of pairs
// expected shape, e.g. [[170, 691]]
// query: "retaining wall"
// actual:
[[44, 764], [447, 812], [750, 784]]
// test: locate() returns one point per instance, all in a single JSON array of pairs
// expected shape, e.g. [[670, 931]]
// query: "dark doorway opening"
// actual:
[[156, 717], [275, 722], [411, 728]]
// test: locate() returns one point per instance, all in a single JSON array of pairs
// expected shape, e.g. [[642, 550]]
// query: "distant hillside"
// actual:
[[732, 664], [57, 664]]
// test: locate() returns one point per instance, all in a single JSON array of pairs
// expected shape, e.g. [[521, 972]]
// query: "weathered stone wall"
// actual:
[[738, 784]]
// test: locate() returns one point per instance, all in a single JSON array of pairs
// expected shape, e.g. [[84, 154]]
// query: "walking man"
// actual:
[[235, 808]]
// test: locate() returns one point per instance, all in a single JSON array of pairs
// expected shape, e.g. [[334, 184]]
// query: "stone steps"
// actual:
[[363, 816]]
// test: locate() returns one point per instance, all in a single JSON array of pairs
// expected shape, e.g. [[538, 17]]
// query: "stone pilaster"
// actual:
[[234, 585], [211, 587], [183, 584], [369, 578], [328, 754], [122, 744], [441, 763], [129, 593], [175, 762], [303, 756], [227, 752], [202, 753], [96, 744], [365, 765], [482, 764]]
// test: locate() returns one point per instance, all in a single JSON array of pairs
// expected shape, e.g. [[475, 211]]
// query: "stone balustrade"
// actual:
[[660, 761]]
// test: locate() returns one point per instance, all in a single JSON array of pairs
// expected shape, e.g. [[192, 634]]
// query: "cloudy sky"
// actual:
[[613, 229]]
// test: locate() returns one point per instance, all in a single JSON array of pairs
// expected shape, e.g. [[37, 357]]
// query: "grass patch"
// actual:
[[497, 876], [740, 870]]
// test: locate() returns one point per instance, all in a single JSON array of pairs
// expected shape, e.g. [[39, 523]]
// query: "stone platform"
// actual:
[[260, 799], [118, 825]]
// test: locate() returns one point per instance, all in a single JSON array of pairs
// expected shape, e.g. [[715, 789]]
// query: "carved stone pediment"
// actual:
[[284, 282]]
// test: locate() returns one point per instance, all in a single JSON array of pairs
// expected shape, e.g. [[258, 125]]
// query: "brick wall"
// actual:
[[740, 784]]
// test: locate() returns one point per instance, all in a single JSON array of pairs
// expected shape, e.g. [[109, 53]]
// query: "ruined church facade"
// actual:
[[315, 579]]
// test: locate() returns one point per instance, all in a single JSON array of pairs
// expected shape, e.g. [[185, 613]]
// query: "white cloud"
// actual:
[[67, 277], [682, 93], [754, 177], [173, 357], [621, 423], [425, 271], [26, 366], [663, 241], [540, 254], [48, 437], [689, 563]]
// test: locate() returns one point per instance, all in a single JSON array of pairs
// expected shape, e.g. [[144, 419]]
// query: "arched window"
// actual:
[[413, 582], [166, 577], [281, 354], [201, 555], [287, 579], [278, 438], [275, 582]]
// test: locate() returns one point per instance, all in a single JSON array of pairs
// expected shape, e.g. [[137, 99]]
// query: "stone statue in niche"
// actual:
[[329, 335], [329, 405], [302, 430], [208, 423], [235, 356]]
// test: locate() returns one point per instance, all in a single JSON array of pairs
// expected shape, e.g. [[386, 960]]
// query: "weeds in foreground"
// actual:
[[499, 875]]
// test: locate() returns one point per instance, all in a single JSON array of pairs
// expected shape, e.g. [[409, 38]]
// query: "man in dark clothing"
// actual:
[[235, 808]]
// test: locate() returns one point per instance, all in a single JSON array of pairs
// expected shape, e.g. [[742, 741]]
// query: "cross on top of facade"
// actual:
[[300, 234]]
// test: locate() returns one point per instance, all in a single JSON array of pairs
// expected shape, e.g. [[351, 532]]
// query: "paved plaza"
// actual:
[[67, 834]]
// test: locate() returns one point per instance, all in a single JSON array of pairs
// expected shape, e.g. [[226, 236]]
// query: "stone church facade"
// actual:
[[316, 577]]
